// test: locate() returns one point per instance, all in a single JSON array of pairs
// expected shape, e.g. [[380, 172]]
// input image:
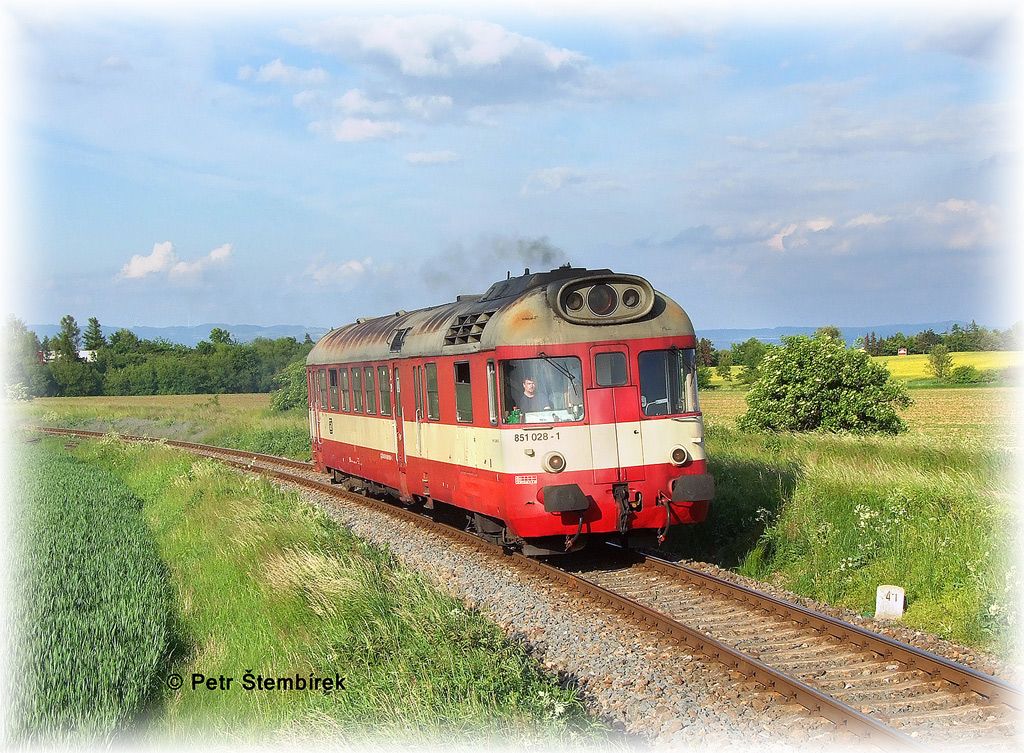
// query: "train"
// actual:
[[556, 409]]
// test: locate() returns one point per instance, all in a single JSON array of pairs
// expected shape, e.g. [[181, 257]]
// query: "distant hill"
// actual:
[[722, 338]]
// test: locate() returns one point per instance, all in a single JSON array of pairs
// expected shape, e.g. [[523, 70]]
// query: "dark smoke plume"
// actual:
[[462, 269]]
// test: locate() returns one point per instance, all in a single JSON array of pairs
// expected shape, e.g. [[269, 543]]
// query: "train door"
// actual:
[[317, 402], [400, 457], [613, 407]]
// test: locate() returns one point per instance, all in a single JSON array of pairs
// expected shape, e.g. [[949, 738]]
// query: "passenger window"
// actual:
[[492, 393], [344, 390], [433, 404], [357, 390], [371, 397], [610, 369], [321, 378], [334, 389], [385, 390], [463, 393]]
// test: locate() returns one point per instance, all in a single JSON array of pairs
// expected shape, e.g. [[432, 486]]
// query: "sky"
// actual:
[[259, 168]]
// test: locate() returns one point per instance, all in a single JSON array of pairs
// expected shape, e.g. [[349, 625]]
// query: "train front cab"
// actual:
[[621, 450]]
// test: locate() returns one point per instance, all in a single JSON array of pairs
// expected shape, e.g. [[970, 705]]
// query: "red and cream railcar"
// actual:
[[556, 407]]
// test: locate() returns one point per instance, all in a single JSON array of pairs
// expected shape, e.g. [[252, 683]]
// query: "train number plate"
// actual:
[[526, 480]]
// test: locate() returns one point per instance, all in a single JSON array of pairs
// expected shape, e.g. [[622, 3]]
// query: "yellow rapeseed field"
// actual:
[[916, 367]]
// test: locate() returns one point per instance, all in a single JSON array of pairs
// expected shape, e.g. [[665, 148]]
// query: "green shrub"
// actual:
[[291, 387], [703, 377], [971, 375], [817, 384]]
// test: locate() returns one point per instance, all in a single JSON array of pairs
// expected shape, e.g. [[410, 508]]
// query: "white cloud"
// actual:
[[869, 220], [435, 45], [966, 224], [163, 259], [184, 269], [551, 179], [363, 129], [343, 274], [816, 226], [428, 108], [160, 259], [430, 158], [277, 72], [355, 102], [777, 241]]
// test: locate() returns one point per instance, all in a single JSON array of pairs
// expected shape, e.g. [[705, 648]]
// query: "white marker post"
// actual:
[[889, 601]]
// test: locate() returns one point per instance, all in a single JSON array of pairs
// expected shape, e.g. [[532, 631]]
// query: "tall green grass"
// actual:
[[267, 583], [92, 607], [833, 517]]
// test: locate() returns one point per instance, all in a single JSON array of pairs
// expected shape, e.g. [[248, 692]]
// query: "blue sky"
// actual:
[[313, 169]]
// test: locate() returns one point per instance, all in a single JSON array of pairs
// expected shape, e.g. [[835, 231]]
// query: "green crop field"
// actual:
[[141, 562], [91, 601]]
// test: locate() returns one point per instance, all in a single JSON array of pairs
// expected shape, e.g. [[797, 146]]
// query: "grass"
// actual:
[[832, 517], [267, 583], [91, 601], [775, 493], [245, 422]]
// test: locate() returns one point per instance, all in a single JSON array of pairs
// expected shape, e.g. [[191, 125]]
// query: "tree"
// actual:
[[829, 330], [307, 340], [703, 377], [818, 385], [705, 352], [124, 341], [94, 339], [724, 367], [291, 387], [748, 353], [939, 361], [69, 338], [220, 336], [76, 378], [21, 365]]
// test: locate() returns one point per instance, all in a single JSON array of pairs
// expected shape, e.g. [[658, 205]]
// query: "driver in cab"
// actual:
[[528, 401]]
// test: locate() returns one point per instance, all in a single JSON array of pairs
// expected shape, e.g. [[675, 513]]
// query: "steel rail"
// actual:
[[817, 702], [991, 688]]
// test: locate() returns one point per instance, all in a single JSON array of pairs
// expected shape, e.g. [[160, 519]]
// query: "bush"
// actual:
[[817, 384], [704, 377], [291, 391], [963, 375]]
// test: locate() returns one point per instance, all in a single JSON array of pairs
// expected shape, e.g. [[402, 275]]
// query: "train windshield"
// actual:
[[668, 382], [542, 390]]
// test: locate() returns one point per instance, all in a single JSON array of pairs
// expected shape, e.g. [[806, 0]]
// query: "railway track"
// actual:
[[877, 688]]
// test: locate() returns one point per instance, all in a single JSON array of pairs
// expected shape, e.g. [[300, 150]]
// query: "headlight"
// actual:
[[679, 455], [554, 462], [602, 299]]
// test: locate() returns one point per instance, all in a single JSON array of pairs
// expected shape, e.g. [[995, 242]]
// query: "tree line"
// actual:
[[125, 364], [741, 361]]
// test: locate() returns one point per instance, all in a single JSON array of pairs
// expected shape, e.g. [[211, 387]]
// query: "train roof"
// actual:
[[525, 310]]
